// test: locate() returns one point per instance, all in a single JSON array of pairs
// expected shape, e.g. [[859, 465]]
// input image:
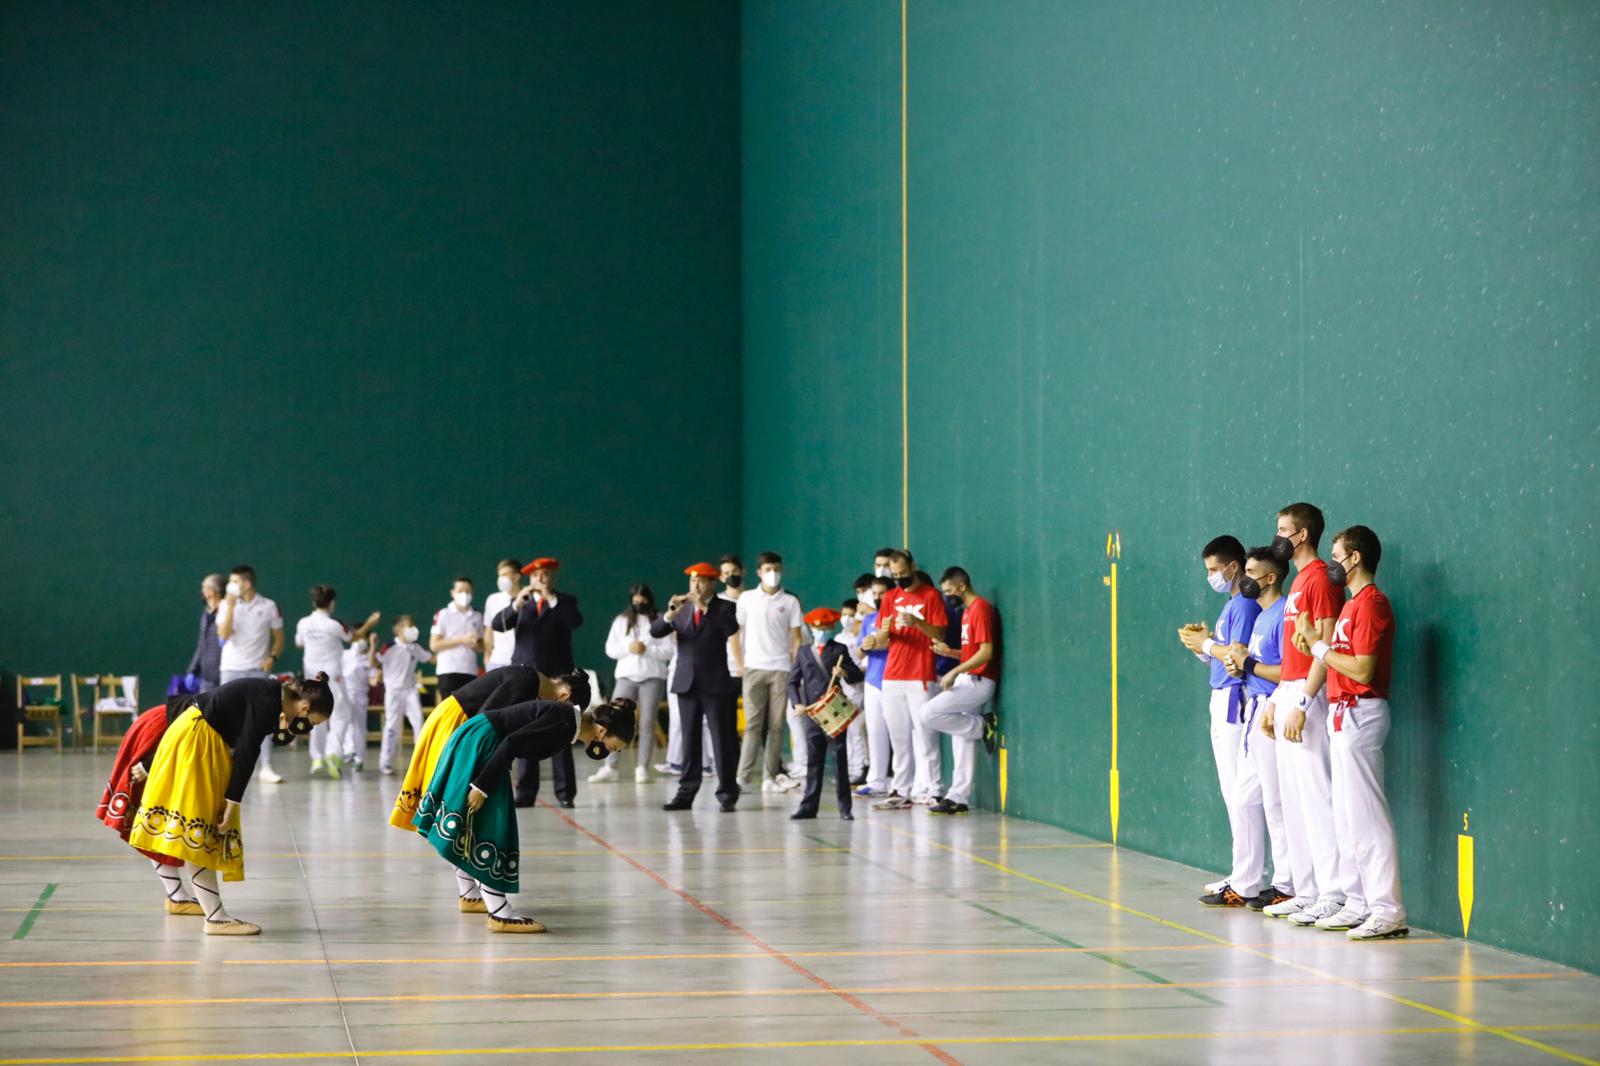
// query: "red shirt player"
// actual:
[[910, 618]]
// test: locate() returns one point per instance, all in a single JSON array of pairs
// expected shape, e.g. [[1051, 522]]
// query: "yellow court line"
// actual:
[[742, 993], [1439, 1012], [881, 953], [777, 1045], [905, 289], [403, 854]]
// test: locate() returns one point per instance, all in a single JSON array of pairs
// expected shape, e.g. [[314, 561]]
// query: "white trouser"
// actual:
[[902, 712], [1361, 811], [1246, 822], [798, 763], [336, 736], [856, 745], [1258, 783], [959, 712], [1305, 778], [877, 739], [398, 704]]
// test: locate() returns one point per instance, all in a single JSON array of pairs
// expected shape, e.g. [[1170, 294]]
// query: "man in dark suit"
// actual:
[[543, 622], [706, 691]]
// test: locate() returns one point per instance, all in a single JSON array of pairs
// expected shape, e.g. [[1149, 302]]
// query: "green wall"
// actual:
[[369, 294], [1170, 269]]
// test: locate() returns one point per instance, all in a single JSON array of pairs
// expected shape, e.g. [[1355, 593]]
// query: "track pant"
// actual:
[[1246, 820], [959, 712], [877, 739], [766, 698], [1305, 780], [406, 704], [1361, 817], [647, 694], [1258, 783], [902, 712]]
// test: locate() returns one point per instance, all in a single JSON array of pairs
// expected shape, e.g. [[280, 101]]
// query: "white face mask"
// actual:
[[234, 589], [463, 599], [359, 647], [772, 578], [409, 634], [868, 599], [1217, 581], [505, 584], [880, 571]]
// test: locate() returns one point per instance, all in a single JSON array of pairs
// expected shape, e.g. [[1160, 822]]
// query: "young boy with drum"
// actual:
[[819, 666]]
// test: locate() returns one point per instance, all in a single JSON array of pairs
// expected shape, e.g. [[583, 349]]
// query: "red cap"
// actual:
[[701, 570], [544, 562], [822, 616]]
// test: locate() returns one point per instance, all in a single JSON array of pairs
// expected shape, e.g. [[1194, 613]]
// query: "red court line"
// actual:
[[734, 927]]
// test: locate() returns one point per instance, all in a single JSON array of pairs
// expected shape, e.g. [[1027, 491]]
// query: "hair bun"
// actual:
[[322, 675]]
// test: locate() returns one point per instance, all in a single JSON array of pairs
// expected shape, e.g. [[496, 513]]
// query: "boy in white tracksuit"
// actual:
[[400, 699], [322, 638]]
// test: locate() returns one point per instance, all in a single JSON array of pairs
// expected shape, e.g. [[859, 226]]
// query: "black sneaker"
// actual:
[[1268, 897], [944, 806], [991, 732], [1223, 897]]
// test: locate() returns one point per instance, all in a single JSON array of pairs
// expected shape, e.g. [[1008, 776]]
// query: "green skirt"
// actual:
[[483, 845]]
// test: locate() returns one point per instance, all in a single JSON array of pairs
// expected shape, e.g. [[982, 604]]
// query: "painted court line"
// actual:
[[34, 912], [1438, 1012], [542, 853], [763, 993], [734, 927], [779, 1045]]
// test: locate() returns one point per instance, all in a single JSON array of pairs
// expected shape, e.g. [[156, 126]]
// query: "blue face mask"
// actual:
[[823, 634]]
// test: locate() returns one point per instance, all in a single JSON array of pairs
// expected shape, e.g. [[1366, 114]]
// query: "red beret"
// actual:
[[822, 616], [702, 570], [544, 562]]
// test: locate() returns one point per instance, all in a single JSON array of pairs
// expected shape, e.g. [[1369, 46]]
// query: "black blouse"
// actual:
[[533, 730], [244, 713]]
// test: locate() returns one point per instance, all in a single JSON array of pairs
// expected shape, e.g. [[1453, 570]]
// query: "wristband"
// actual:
[[1206, 646], [1249, 666], [1320, 650]]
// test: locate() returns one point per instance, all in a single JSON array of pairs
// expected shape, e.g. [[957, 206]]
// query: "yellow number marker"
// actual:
[[1464, 874], [1113, 553]]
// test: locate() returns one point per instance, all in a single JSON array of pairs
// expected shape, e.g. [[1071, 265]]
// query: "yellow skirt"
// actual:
[[442, 721], [185, 792]]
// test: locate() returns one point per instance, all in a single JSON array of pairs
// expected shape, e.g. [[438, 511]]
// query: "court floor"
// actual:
[[711, 938]]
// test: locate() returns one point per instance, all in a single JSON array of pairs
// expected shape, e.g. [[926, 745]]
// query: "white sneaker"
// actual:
[[641, 776], [356, 764], [269, 776], [1287, 908], [386, 771], [666, 769], [1216, 886], [924, 801], [1323, 908], [1345, 919], [1379, 929], [769, 785], [785, 783], [602, 775]]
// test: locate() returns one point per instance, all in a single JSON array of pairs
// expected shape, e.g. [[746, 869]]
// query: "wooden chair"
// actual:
[[31, 709], [114, 697]]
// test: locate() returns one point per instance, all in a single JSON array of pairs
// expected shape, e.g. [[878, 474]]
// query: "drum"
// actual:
[[832, 713]]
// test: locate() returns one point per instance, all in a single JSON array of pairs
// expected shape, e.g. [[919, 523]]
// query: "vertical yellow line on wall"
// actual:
[[905, 303]]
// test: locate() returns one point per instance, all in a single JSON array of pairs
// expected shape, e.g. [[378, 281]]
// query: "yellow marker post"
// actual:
[[1464, 874], [1002, 780], [1113, 553]]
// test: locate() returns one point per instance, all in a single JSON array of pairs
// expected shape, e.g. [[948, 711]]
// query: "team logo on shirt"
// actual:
[[1255, 645], [1291, 605], [1341, 636], [913, 609]]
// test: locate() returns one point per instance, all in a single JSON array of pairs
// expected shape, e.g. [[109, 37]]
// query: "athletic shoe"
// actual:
[[1345, 919], [768, 785], [1270, 897], [316, 767], [270, 776], [1287, 907], [944, 806], [991, 731], [666, 769], [1379, 929], [386, 771], [602, 775], [1225, 897], [231, 927], [641, 776], [331, 764], [356, 764], [785, 783], [1217, 886], [1323, 908], [926, 801], [868, 790], [893, 803]]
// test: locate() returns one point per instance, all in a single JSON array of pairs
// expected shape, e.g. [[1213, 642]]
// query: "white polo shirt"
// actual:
[[452, 621], [253, 623], [505, 642], [766, 620], [322, 637], [399, 665]]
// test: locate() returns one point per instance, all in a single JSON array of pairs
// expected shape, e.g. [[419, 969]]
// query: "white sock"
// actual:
[[172, 883], [466, 887], [499, 906], [205, 887]]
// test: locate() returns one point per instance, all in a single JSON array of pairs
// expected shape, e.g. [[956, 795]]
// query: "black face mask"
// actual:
[[1337, 573], [298, 727], [596, 749], [642, 608], [907, 581], [1282, 549], [952, 603], [1249, 588], [734, 581]]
